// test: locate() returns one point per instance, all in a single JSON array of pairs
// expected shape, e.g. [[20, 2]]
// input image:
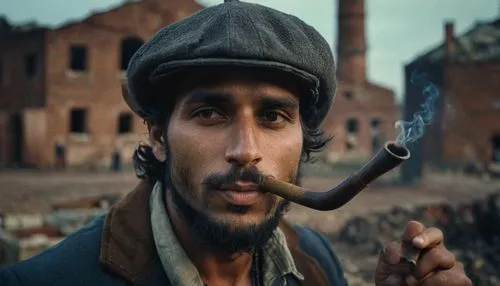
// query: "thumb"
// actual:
[[391, 253]]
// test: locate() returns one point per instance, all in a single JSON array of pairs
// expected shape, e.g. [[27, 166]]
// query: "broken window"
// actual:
[[376, 134], [125, 123], [17, 129], [375, 124], [128, 48], [2, 79], [78, 120], [495, 152], [349, 95], [352, 125], [30, 65], [350, 145], [78, 58], [352, 130]]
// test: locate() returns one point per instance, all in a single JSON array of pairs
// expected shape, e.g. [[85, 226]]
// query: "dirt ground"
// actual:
[[30, 192]]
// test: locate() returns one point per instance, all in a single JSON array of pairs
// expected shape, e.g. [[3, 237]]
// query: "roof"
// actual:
[[89, 17], [6, 27], [479, 43], [95, 12]]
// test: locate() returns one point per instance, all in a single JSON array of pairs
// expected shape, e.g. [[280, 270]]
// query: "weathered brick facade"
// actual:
[[472, 113], [22, 92], [73, 94], [374, 110], [465, 131]]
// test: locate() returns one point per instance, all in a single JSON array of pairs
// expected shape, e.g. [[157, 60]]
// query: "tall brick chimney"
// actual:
[[351, 40], [449, 34]]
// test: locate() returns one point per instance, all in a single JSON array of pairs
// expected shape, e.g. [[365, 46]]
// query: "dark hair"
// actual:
[[314, 138]]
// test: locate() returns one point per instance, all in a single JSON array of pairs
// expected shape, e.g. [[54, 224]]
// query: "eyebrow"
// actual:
[[266, 102], [209, 97], [218, 98]]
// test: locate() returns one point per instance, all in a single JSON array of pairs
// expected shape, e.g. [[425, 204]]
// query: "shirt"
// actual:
[[278, 260]]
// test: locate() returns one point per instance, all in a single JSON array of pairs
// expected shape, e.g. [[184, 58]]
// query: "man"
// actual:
[[60, 151], [233, 91]]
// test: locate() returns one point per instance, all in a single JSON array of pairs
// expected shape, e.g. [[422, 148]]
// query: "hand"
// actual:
[[435, 265]]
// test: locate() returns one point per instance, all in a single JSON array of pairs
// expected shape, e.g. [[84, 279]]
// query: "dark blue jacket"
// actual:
[[118, 250]]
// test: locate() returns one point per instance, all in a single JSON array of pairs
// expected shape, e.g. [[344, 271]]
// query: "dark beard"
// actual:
[[214, 234]]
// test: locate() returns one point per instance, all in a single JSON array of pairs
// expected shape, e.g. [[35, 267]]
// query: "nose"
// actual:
[[243, 149]]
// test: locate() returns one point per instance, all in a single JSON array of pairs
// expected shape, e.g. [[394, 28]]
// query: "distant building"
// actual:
[[63, 86], [465, 132], [364, 113]]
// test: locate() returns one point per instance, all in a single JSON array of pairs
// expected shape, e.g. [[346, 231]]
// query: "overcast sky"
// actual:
[[397, 30]]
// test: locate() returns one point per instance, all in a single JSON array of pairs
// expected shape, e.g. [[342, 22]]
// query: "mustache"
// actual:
[[217, 180]]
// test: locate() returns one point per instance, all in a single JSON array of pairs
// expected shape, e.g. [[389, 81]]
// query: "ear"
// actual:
[[158, 143]]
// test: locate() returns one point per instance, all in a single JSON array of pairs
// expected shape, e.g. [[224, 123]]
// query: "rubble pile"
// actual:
[[472, 232], [25, 235]]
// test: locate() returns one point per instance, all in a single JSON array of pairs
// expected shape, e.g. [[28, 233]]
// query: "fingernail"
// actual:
[[418, 241]]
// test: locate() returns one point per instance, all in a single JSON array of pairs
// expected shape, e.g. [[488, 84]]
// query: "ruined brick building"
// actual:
[[465, 132], [61, 87]]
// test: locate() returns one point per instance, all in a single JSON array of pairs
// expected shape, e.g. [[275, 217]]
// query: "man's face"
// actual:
[[223, 130]]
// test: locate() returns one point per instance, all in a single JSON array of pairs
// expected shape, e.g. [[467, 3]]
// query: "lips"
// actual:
[[241, 198], [240, 194]]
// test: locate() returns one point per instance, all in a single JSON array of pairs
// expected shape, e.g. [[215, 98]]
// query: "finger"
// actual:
[[434, 259], [429, 237], [454, 276], [413, 228], [410, 252]]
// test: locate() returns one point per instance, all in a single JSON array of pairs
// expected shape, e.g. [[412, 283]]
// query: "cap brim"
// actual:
[[169, 69], [166, 69]]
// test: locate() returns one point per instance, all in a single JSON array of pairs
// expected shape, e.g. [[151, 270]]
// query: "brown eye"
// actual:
[[208, 115], [272, 117]]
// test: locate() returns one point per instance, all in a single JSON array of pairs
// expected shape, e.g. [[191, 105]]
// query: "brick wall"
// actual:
[[3, 139], [363, 103], [35, 126], [22, 64], [22, 60], [96, 89], [472, 110]]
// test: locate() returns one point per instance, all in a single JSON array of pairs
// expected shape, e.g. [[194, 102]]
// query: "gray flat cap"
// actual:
[[240, 34]]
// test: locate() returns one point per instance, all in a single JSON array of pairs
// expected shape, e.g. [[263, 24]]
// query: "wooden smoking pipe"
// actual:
[[386, 159]]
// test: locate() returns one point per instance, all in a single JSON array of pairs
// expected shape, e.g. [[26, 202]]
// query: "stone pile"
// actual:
[[23, 235], [472, 232]]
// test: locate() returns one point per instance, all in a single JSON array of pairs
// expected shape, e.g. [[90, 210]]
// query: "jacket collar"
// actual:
[[127, 246]]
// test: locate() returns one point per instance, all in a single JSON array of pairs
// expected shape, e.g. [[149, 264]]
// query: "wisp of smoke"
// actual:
[[414, 129]]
